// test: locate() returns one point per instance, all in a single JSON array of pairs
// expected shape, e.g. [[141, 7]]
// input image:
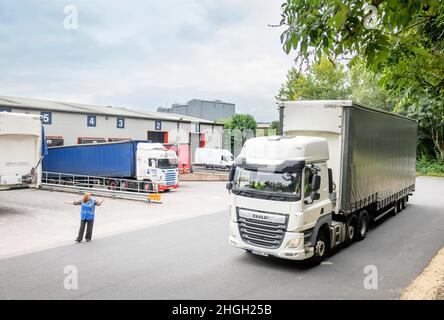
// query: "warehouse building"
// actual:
[[205, 109], [72, 123]]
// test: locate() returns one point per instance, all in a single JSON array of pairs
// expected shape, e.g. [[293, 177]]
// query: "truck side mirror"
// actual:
[[316, 183], [231, 175], [314, 195], [229, 186]]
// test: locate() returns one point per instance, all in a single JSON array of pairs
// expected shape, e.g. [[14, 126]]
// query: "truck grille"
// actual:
[[170, 177], [262, 233]]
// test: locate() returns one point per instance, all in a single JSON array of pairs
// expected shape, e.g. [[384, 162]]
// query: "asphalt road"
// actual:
[[190, 259]]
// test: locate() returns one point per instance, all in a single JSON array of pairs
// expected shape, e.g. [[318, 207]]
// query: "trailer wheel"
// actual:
[[396, 209], [112, 185], [123, 185], [362, 229], [404, 202]]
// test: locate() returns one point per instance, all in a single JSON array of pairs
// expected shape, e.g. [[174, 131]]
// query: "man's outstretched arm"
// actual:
[[76, 203]]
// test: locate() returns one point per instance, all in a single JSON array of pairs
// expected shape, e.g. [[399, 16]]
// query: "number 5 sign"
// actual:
[[47, 117], [91, 121]]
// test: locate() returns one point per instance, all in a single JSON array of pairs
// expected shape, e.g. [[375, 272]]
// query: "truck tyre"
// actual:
[[351, 228], [404, 203], [320, 248], [396, 209], [400, 205], [123, 185], [147, 186], [112, 185], [362, 229]]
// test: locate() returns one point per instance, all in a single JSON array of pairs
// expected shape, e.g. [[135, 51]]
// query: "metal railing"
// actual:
[[105, 186]]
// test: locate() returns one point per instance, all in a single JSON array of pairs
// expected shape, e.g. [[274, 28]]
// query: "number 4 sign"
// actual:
[[91, 121]]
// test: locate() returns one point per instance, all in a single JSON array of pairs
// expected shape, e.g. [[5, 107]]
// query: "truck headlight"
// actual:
[[294, 243]]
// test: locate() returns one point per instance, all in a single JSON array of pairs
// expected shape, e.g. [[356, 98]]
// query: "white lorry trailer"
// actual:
[[214, 158], [20, 150], [337, 167]]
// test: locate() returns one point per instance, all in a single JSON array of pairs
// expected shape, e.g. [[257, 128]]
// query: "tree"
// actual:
[[274, 125], [366, 89], [324, 80], [241, 122], [237, 130], [400, 41]]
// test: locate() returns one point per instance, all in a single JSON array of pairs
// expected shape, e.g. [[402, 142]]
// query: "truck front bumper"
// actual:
[[284, 252], [162, 187]]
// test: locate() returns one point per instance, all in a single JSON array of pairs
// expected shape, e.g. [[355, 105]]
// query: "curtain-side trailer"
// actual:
[[125, 165], [339, 166], [20, 150]]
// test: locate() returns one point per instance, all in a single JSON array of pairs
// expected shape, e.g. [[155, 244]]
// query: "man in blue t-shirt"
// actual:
[[87, 214]]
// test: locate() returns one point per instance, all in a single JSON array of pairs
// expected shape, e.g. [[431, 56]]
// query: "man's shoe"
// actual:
[[78, 241], [88, 240]]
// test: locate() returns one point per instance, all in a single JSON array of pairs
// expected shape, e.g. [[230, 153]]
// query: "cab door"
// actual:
[[313, 209]]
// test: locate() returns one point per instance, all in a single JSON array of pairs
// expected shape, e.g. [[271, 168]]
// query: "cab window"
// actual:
[[308, 177]]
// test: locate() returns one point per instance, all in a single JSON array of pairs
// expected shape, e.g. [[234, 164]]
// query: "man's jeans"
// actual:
[[89, 229]]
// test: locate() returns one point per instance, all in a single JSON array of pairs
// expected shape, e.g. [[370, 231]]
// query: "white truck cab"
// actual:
[[156, 163], [339, 166], [279, 190]]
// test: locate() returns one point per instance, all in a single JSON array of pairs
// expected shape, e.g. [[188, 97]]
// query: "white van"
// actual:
[[215, 158]]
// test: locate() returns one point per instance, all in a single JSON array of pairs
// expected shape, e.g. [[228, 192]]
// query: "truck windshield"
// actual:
[[165, 163], [268, 181]]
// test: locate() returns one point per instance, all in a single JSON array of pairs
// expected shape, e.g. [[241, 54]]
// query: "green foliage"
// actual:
[[274, 125], [324, 80], [241, 122], [426, 167], [401, 42], [366, 89]]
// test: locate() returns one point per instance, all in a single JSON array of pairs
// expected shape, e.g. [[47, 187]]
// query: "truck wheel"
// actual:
[[351, 228], [320, 249], [362, 229], [147, 186]]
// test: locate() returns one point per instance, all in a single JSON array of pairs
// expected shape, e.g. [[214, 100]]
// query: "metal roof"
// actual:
[[38, 104]]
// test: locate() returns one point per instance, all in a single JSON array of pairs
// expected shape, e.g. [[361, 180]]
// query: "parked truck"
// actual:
[[20, 150], [213, 158], [338, 167], [125, 165]]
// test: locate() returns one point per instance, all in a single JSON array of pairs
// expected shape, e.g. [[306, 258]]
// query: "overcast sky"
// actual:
[[144, 54]]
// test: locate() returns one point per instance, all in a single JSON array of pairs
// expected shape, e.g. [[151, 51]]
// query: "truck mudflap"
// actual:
[[298, 252]]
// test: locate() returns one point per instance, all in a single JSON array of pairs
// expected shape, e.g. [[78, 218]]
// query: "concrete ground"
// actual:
[[33, 220], [191, 259]]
